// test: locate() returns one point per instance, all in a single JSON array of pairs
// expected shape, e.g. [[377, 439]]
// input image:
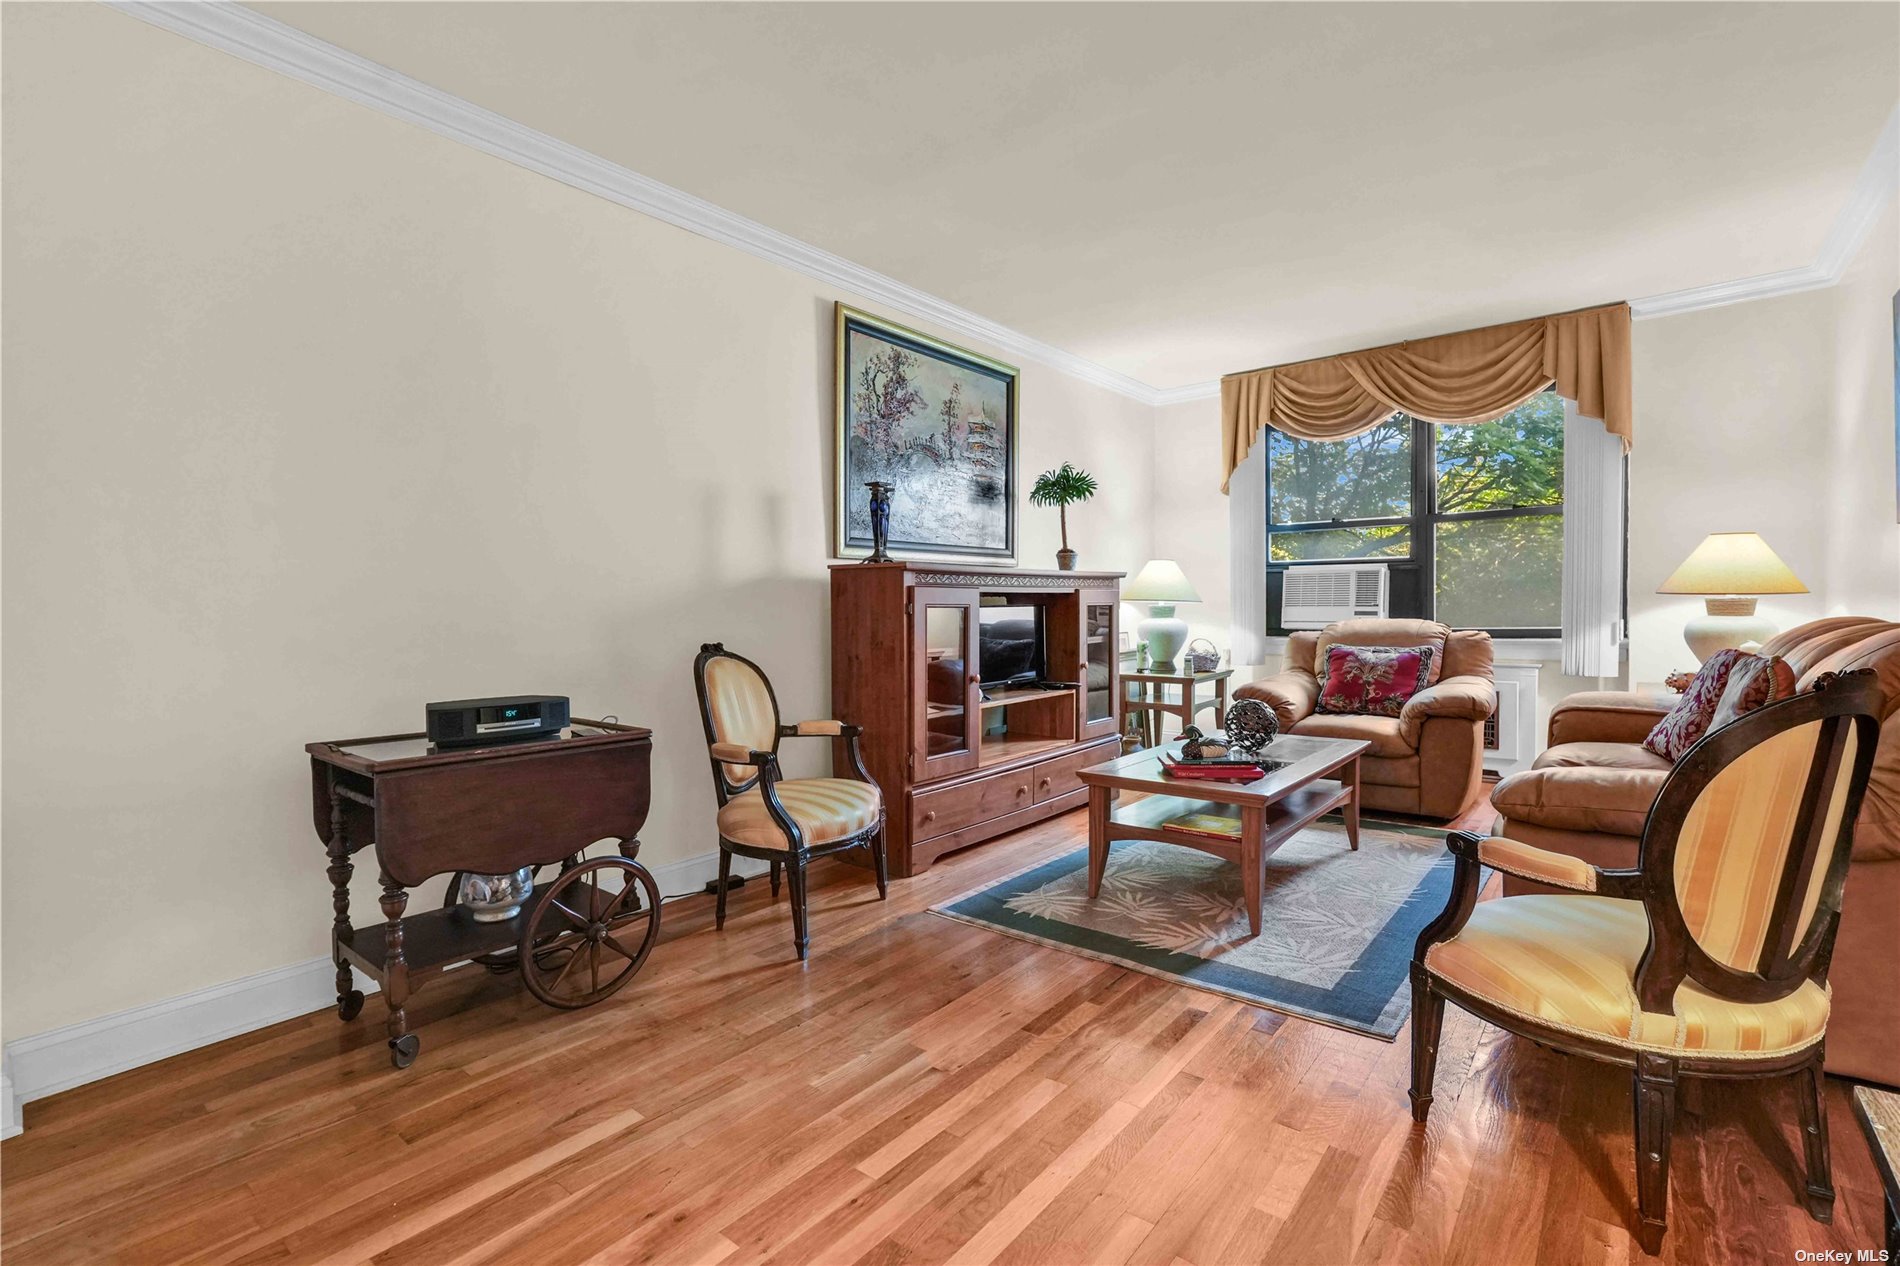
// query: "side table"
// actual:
[[1150, 702]]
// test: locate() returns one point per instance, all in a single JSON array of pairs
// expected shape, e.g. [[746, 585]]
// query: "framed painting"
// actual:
[[938, 424]]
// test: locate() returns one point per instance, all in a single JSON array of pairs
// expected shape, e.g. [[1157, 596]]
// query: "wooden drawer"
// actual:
[[980, 799], [1052, 778]]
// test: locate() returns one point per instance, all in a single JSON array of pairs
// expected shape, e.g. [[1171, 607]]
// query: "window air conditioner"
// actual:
[[1312, 597]]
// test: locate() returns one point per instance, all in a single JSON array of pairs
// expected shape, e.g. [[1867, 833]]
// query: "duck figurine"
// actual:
[[1198, 746]]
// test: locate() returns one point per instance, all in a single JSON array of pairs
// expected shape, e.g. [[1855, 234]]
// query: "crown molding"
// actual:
[[264, 41], [1875, 185]]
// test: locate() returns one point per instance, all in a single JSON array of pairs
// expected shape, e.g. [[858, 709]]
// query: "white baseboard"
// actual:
[[59, 1059], [9, 1106]]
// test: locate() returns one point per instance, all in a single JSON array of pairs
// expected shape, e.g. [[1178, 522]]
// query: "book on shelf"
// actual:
[[1219, 826]]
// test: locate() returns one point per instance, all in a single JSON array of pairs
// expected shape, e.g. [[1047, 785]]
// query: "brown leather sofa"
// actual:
[[1429, 759], [1590, 791]]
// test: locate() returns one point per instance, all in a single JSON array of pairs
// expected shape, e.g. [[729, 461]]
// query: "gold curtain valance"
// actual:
[[1473, 376]]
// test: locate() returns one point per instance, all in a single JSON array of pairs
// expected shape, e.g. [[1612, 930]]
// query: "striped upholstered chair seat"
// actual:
[[825, 809], [1570, 962]]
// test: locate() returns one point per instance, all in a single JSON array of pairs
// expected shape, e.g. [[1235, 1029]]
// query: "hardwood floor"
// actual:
[[922, 1091]]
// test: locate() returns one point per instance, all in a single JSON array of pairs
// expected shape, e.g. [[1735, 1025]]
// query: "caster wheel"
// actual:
[[402, 1051], [349, 1005]]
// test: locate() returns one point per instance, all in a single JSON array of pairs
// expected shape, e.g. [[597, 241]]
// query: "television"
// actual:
[[1010, 644]]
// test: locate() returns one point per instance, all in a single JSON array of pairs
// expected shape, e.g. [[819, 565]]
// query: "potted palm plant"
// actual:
[[1062, 488]]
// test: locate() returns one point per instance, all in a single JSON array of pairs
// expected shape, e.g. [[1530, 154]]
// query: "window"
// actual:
[[1469, 519]]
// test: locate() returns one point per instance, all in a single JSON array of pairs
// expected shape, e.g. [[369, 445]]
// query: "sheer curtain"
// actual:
[[1247, 557], [1593, 547]]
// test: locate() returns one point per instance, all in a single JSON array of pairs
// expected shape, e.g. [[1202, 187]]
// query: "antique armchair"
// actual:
[[1709, 958], [764, 815]]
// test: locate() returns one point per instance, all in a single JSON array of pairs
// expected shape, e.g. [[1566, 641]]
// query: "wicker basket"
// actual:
[[1201, 661]]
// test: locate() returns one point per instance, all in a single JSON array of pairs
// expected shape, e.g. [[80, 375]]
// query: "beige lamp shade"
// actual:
[[1732, 562], [1162, 580]]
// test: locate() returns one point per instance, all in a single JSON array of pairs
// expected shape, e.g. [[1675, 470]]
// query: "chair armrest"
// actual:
[[1526, 861], [1458, 698], [1608, 716], [1292, 696], [1596, 798], [819, 729]]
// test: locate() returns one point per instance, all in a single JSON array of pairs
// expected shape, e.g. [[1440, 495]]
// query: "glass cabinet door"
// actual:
[[944, 697], [1101, 663]]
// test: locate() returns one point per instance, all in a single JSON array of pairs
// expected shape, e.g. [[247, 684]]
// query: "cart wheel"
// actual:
[[403, 1051], [575, 938], [349, 1005]]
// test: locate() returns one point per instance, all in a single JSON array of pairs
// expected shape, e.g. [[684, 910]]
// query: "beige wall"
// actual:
[[1190, 514], [1773, 417], [312, 416]]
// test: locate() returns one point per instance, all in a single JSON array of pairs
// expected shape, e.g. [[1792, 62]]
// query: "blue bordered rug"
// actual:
[[1337, 926]]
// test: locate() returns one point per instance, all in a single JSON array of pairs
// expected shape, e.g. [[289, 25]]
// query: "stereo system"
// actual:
[[483, 722]]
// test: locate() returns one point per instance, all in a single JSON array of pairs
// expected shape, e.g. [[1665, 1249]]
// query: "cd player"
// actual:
[[508, 719]]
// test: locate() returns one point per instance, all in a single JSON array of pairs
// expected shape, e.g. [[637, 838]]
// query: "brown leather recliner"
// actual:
[[1590, 791], [1429, 759]]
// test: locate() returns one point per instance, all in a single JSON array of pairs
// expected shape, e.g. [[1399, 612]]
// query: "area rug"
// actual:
[[1336, 931]]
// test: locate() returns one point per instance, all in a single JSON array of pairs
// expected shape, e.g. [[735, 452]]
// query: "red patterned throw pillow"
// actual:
[[1694, 714], [1373, 680]]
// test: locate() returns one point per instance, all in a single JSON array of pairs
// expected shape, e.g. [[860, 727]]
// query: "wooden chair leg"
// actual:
[[777, 869], [1428, 1017], [882, 865], [1812, 1091], [800, 915], [1655, 1086], [725, 877]]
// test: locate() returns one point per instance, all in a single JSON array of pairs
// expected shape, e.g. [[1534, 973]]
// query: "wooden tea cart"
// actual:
[[583, 932]]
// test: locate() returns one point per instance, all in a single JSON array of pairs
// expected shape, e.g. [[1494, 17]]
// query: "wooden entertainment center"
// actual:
[[961, 761]]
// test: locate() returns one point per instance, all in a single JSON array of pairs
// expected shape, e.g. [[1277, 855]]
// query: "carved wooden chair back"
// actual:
[[1745, 851], [737, 705]]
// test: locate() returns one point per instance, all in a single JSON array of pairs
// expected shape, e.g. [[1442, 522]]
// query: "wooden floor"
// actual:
[[922, 1091]]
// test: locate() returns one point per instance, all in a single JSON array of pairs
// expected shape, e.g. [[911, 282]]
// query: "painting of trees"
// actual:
[[938, 427]]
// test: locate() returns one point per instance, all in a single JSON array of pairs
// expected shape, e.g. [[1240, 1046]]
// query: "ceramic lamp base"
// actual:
[[1164, 634], [1726, 623]]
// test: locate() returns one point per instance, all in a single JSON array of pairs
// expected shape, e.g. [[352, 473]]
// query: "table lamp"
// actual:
[[1729, 568], [1161, 584]]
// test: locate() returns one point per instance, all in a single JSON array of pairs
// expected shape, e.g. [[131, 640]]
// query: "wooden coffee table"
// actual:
[[1320, 775]]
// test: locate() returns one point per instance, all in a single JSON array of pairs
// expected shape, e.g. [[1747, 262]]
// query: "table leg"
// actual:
[[349, 999], [1350, 777], [1220, 702], [403, 1044], [1253, 864], [1098, 839]]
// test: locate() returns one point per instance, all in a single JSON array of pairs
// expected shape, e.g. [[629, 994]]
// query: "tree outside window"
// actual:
[[1476, 511]]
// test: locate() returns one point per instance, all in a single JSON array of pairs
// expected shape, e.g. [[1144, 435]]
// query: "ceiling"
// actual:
[[1176, 191]]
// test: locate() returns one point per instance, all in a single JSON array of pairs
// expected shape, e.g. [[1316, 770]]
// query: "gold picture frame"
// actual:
[[938, 422]]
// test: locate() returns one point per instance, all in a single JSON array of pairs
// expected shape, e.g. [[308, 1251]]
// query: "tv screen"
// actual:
[[1010, 644]]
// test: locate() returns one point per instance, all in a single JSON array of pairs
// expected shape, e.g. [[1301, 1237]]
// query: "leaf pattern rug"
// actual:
[[1336, 930]]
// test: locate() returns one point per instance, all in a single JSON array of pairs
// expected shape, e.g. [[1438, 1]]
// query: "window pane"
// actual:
[[1366, 477], [1517, 460], [1501, 573], [1330, 544]]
